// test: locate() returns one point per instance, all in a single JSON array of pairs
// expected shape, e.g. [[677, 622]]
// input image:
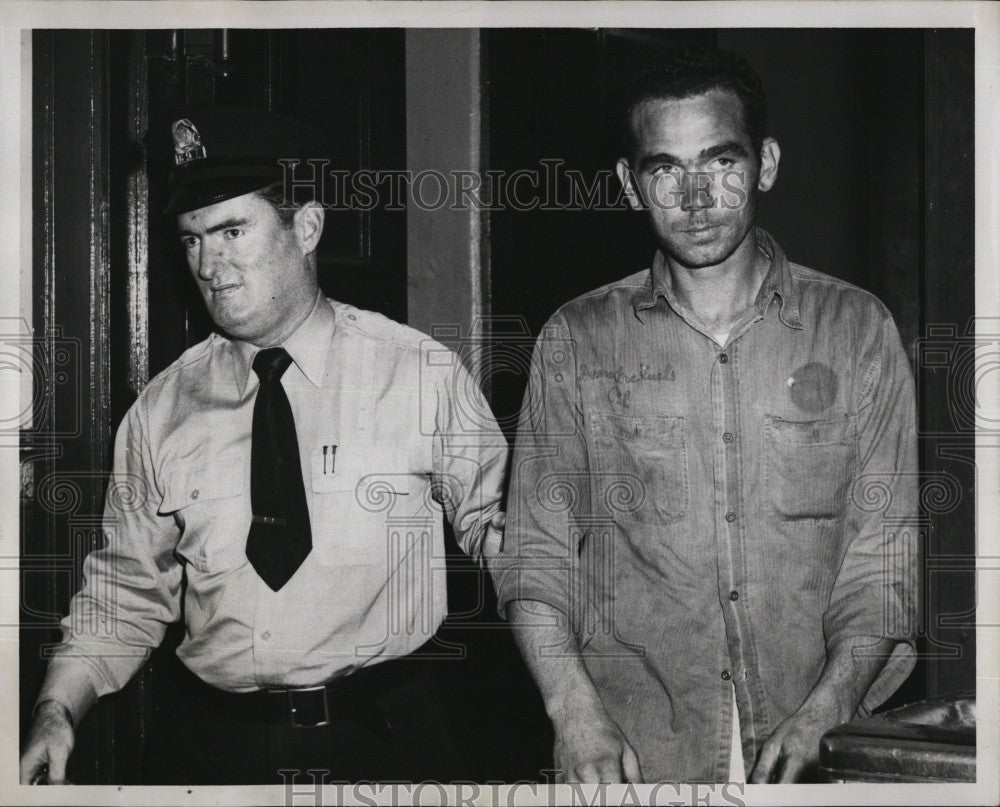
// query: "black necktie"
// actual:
[[280, 537]]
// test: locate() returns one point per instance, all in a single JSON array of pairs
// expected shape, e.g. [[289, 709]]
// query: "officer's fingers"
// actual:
[[630, 765], [765, 762], [32, 763], [58, 754]]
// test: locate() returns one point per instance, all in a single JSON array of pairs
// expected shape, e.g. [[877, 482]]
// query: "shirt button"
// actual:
[[723, 358], [730, 516], [195, 493], [734, 595], [266, 635], [726, 675], [727, 437]]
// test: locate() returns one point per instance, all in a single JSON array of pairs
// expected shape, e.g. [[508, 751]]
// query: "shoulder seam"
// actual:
[[343, 313], [202, 350], [624, 284], [821, 277]]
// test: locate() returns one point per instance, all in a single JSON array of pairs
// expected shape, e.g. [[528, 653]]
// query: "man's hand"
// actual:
[[793, 749], [48, 746], [589, 747]]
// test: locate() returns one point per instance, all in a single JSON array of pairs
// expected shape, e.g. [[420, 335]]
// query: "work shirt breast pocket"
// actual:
[[207, 500], [809, 466], [355, 499], [644, 463]]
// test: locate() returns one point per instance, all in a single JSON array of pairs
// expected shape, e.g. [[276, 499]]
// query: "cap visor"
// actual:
[[202, 194]]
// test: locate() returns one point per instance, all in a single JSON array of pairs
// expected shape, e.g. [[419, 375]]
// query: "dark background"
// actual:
[[875, 186]]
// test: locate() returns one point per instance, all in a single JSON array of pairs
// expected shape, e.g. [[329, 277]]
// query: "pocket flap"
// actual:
[[354, 466], [812, 432], [664, 429], [202, 481]]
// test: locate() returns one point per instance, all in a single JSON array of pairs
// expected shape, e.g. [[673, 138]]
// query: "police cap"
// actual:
[[219, 153]]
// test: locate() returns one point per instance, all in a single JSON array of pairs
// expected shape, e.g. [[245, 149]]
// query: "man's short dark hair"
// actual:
[[274, 195], [687, 72]]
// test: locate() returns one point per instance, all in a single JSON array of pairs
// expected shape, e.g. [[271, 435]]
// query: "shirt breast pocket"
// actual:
[[644, 459], [808, 466], [354, 504], [206, 499]]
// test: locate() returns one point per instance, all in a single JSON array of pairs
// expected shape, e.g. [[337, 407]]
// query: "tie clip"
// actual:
[[275, 522]]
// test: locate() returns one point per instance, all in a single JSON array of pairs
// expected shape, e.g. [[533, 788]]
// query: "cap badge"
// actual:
[[187, 142]]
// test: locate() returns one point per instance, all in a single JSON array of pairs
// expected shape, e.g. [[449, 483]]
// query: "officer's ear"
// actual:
[[308, 223]]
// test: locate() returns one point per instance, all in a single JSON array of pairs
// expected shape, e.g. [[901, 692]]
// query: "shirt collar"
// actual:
[[778, 282], [307, 345]]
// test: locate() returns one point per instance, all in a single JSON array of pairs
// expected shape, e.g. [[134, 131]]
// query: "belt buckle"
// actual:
[[308, 692]]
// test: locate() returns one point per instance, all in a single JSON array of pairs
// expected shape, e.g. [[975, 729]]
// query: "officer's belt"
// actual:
[[352, 698]]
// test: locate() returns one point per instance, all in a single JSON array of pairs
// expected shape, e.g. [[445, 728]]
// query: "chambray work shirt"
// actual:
[[716, 516], [391, 430]]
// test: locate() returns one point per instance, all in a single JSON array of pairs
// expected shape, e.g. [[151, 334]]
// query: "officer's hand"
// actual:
[[793, 749], [47, 748], [589, 747]]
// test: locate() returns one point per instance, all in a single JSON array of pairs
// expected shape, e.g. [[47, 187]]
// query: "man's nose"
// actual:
[[208, 263], [697, 191]]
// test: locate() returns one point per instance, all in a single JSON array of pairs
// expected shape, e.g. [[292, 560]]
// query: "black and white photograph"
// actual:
[[500, 403]]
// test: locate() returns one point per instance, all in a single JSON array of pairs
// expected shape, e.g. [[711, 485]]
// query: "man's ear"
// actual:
[[770, 155], [308, 222], [628, 184]]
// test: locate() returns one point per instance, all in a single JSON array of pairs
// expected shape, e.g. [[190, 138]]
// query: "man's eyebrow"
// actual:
[[222, 225], [660, 158], [729, 147]]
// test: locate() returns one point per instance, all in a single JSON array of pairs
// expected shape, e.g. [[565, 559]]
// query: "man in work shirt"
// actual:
[[292, 468], [695, 568]]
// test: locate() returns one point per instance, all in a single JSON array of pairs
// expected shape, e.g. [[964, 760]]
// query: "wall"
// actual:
[[446, 249]]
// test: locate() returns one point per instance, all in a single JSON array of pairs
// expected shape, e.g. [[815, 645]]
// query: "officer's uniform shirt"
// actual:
[[391, 430]]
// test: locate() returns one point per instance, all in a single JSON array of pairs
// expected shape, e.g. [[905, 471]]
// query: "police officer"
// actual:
[[281, 486]]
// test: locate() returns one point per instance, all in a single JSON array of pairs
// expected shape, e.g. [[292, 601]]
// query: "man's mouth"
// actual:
[[224, 290]]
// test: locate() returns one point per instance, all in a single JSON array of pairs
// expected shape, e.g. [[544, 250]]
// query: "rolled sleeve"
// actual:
[[131, 586], [548, 488], [875, 593], [72, 682], [470, 463]]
